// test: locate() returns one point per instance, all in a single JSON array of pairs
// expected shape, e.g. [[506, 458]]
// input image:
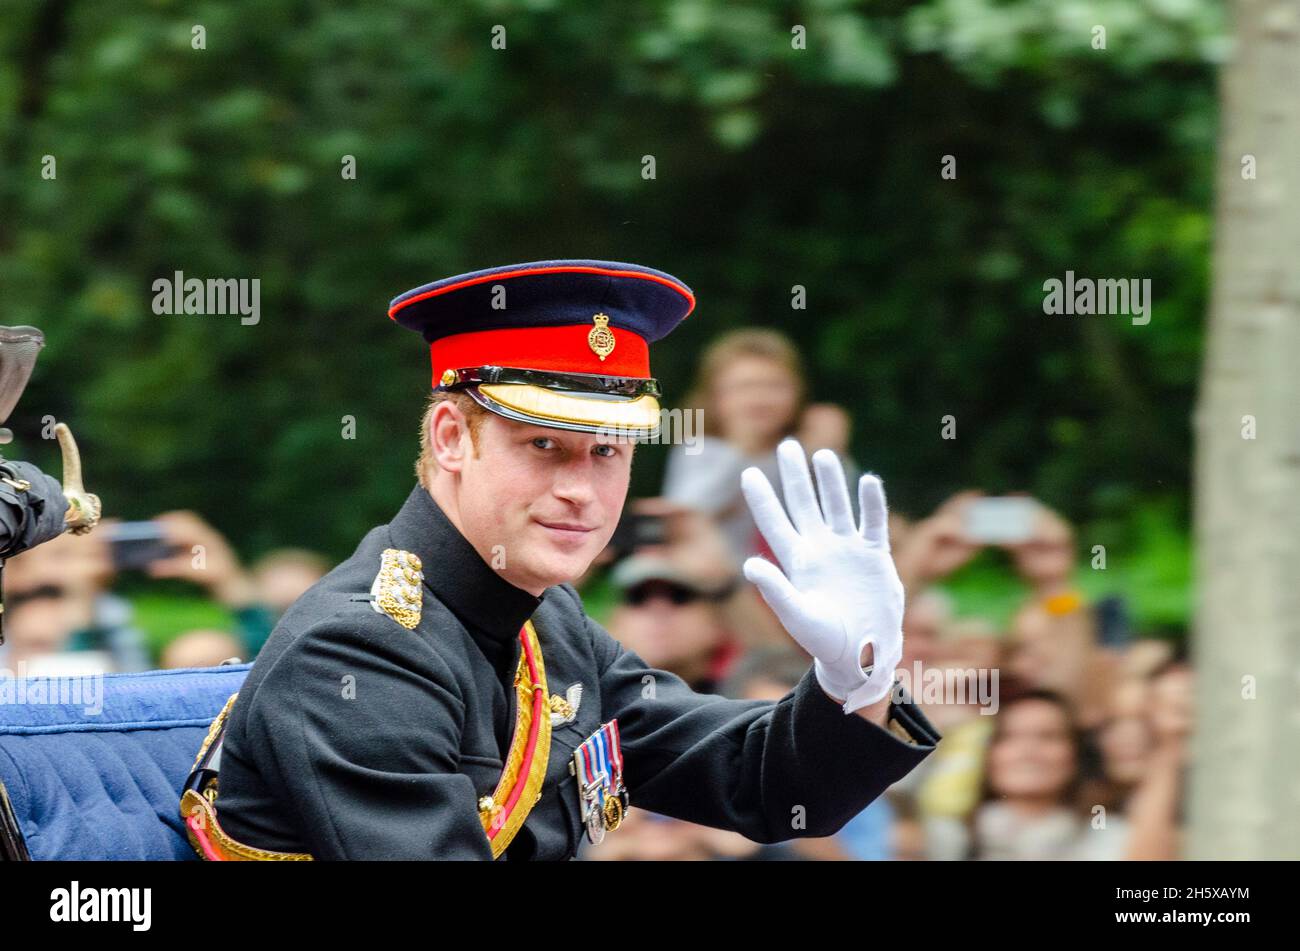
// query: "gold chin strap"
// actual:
[[641, 413]]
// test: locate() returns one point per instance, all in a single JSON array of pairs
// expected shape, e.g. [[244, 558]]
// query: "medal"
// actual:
[[598, 766]]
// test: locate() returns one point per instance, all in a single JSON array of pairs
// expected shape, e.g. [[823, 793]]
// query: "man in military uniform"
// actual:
[[443, 694]]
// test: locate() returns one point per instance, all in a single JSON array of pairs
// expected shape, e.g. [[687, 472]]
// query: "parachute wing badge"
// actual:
[[564, 709], [398, 590]]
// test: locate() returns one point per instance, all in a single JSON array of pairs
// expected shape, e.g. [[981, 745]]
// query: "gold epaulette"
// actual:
[[398, 589]]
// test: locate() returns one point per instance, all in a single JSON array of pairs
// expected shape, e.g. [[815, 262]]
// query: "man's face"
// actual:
[[540, 504]]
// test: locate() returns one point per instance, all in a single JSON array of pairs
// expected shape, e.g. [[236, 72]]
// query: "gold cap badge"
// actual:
[[600, 338]]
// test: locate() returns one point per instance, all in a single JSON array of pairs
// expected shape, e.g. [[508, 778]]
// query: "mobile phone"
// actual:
[[1000, 520], [1114, 628], [135, 545], [637, 531]]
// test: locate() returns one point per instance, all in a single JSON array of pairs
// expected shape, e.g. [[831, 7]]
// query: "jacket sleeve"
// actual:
[[30, 516], [363, 739], [770, 771]]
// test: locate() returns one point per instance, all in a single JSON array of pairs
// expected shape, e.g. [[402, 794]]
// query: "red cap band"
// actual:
[[561, 349]]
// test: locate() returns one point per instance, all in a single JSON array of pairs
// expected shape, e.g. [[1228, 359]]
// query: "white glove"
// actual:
[[842, 592]]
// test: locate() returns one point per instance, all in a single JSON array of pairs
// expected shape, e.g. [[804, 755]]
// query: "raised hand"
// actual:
[[839, 593]]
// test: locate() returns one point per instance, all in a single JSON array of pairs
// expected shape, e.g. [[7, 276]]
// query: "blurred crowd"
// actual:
[[1075, 749], [64, 615]]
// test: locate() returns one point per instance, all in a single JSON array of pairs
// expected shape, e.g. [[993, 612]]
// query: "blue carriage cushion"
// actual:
[[100, 777]]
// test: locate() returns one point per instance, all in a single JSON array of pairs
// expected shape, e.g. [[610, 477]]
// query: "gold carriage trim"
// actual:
[[533, 709]]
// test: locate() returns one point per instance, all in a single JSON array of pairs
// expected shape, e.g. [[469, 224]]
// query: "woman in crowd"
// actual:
[[1037, 800], [752, 393]]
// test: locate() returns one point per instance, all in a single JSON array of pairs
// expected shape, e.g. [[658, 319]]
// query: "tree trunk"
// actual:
[[1245, 781]]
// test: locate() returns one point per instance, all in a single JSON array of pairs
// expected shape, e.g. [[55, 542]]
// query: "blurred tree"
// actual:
[[1247, 634]]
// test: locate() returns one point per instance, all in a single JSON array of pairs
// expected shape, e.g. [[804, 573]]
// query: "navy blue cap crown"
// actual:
[[555, 293]]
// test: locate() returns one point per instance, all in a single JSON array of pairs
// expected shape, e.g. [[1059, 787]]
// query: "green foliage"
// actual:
[[776, 166], [163, 615]]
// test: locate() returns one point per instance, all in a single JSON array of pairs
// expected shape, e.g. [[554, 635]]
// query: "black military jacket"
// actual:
[[354, 737]]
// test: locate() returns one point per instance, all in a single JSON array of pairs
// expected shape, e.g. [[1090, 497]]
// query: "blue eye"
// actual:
[[538, 440], [611, 452]]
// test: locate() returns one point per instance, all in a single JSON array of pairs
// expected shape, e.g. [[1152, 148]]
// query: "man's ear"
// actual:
[[449, 436]]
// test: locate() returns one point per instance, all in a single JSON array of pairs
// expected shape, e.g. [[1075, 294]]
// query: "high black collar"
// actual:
[[455, 572]]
